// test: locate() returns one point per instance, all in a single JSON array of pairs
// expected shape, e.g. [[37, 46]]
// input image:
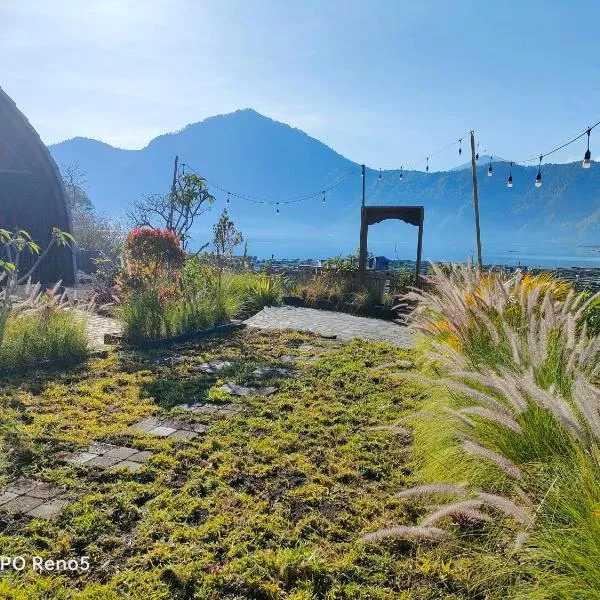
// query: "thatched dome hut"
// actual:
[[32, 195]]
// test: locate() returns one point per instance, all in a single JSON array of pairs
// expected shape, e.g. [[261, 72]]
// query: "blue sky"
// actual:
[[383, 82]]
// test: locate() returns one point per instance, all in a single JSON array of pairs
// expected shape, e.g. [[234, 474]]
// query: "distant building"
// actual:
[[378, 263], [32, 195]]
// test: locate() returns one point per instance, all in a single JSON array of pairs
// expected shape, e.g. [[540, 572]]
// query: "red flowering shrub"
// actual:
[[152, 257]]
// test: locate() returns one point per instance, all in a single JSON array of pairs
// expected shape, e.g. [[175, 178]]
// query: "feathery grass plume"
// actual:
[[491, 415], [553, 403], [458, 415], [505, 465], [419, 414], [524, 497], [508, 507], [520, 541], [418, 533], [465, 508], [587, 399], [433, 488], [474, 394]]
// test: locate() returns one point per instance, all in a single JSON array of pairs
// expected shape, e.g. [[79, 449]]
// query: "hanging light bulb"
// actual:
[[460, 147], [323, 196], [477, 154], [228, 194], [538, 177], [401, 168], [509, 183], [277, 211], [379, 174], [490, 170], [427, 167], [587, 163]]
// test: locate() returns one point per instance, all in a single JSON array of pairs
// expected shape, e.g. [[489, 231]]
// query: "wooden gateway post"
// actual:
[[369, 215]]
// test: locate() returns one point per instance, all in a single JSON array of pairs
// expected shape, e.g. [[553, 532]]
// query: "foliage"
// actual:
[[176, 211], [225, 239], [42, 327], [14, 243], [508, 435], [269, 504], [74, 181], [260, 290], [94, 232]]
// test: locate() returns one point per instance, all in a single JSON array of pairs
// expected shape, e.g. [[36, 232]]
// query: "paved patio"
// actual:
[[328, 323]]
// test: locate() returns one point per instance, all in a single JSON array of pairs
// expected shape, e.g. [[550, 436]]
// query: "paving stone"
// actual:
[[140, 457], [183, 434], [100, 448], [102, 461], [48, 510], [272, 372], [44, 490], [161, 431], [195, 427], [213, 367], [329, 323], [145, 424], [241, 390], [128, 464], [22, 504], [305, 347], [80, 458], [122, 452], [21, 486], [6, 497], [288, 358]]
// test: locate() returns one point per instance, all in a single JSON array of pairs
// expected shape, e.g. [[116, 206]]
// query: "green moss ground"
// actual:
[[269, 504]]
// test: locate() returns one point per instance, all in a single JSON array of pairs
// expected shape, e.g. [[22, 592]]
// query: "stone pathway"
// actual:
[[97, 326], [328, 323], [172, 429], [33, 498], [212, 410], [102, 455], [242, 390]]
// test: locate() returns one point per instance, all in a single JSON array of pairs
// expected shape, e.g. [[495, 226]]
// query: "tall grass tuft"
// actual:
[[512, 416]]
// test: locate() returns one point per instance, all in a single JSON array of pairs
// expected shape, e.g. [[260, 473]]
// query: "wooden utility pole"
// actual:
[[362, 172], [173, 192], [476, 203]]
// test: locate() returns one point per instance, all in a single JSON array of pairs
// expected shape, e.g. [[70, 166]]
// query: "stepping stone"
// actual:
[[170, 361], [207, 408], [108, 455], [167, 428], [272, 372], [305, 347], [182, 434], [162, 431], [128, 464], [214, 367], [288, 358], [48, 510], [22, 504], [241, 390], [34, 498]]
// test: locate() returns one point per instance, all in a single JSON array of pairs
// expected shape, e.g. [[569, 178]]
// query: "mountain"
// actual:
[[248, 153]]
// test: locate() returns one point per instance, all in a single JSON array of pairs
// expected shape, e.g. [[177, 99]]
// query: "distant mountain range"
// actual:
[[248, 153]]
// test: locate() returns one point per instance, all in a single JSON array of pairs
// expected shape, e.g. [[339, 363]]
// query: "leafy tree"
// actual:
[[225, 238], [74, 181], [175, 211], [94, 232]]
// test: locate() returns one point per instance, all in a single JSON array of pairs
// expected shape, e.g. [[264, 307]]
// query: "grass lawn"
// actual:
[[268, 504]]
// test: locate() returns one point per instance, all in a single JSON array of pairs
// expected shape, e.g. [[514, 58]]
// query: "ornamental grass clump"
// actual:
[[511, 425]]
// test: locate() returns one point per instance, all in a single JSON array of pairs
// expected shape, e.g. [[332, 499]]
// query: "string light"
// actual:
[[460, 146], [401, 168], [490, 171], [477, 153], [538, 177], [509, 183], [587, 163], [379, 174], [277, 211], [323, 196], [427, 167], [228, 194]]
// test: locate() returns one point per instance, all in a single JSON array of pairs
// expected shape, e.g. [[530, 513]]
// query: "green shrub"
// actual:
[[262, 290], [47, 334]]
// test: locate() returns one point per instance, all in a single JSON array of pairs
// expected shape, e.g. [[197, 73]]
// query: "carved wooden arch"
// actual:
[[369, 215]]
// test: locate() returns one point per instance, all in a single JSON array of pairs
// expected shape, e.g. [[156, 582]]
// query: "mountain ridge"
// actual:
[[249, 153]]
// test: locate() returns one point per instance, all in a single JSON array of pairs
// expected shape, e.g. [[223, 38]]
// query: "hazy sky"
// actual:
[[382, 82]]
